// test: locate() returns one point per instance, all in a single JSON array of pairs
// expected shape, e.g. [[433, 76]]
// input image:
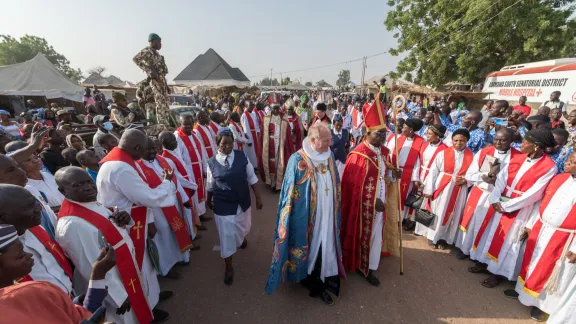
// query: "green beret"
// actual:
[[153, 36]]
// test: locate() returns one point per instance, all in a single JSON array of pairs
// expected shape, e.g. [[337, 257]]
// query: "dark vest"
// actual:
[[230, 188], [339, 145]]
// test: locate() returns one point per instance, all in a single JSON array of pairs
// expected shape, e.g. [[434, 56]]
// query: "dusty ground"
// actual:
[[435, 288]]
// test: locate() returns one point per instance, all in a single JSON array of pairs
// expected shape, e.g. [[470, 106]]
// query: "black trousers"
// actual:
[[314, 282]]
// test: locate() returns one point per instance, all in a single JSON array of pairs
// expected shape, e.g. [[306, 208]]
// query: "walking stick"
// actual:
[[400, 207]]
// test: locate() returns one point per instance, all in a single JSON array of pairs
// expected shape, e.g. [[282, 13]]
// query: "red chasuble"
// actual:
[[54, 249], [476, 193], [239, 130], [297, 131], [409, 165], [538, 170], [205, 135], [272, 162], [449, 167], [170, 213], [255, 137], [556, 248], [359, 193], [129, 273], [138, 231], [196, 160]]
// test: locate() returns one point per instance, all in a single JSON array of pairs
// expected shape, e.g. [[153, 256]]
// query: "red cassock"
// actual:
[[272, 162], [297, 131]]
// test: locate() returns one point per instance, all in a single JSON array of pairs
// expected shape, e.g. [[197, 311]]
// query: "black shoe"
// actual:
[[372, 279], [244, 244], [201, 228], [195, 248], [197, 237], [172, 274], [462, 256], [229, 277], [326, 298], [511, 293], [160, 316], [165, 295], [538, 315], [205, 218]]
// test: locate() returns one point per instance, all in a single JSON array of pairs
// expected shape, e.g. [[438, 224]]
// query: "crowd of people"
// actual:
[[90, 226]]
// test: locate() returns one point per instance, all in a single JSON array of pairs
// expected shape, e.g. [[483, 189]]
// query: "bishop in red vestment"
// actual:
[[296, 127], [277, 147]]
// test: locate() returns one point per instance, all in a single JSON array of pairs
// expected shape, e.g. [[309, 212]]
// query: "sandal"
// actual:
[[478, 269], [491, 281]]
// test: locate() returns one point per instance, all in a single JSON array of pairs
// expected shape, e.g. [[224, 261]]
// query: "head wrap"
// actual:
[[415, 124], [461, 131], [321, 106], [153, 36], [4, 112], [337, 117], [543, 138], [224, 131], [438, 129], [8, 236], [69, 140], [100, 119], [117, 96], [62, 112]]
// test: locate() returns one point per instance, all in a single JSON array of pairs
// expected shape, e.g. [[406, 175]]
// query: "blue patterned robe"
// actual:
[[295, 221]]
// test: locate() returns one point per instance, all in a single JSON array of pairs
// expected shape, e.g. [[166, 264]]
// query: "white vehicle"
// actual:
[[535, 80]]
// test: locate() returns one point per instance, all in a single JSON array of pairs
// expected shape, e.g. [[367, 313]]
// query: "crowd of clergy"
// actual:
[[93, 236]]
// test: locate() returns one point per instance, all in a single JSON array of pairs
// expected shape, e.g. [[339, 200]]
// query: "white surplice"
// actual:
[[209, 134], [323, 234], [426, 158], [553, 217], [232, 229], [45, 267], [119, 184], [182, 152], [250, 150], [507, 260], [168, 250], [473, 176], [437, 231], [48, 187], [80, 241], [403, 153], [239, 136], [564, 312], [378, 224]]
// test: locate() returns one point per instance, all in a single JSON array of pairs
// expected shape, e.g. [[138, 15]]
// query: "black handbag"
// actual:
[[424, 217], [414, 200]]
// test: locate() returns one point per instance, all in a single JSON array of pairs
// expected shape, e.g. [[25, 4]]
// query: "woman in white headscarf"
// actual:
[[75, 141]]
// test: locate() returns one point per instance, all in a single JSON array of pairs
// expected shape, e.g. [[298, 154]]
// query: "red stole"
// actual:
[[252, 130], [170, 213], [355, 120], [239, 131], [476, 193], [213, 127], [297, 132], [54, 249], [129, 273], [441, 147], [408, 165], [138, 231], [447, 178], [260, 116], [205, 139], [553, 252], [360, 188], [196, 160]]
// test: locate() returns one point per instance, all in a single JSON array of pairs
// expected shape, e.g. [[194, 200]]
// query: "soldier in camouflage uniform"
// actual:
[[152, 63], [146, 102]]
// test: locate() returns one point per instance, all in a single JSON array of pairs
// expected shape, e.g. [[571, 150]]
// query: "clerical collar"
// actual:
[[502, 152], [313, 154]]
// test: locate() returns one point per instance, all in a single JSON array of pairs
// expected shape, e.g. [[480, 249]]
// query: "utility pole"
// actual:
[[363, 73], [271, 83]]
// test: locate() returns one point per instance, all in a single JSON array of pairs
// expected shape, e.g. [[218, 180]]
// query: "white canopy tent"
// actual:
[[37, 77]]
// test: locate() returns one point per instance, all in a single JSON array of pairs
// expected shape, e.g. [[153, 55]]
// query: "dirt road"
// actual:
[[435, 288]]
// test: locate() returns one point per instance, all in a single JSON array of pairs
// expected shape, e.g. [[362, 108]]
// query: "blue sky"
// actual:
[[254, 35]]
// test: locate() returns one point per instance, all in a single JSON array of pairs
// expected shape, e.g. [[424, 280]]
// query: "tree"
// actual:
[[97, 69], [14, 51], [343, 78], [266, 82], [308, 84], [465, 40], [275, 82], [322, 84], [285, 81]]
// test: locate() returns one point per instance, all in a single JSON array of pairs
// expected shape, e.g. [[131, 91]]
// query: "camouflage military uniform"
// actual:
[[146, 102], [150, 61]]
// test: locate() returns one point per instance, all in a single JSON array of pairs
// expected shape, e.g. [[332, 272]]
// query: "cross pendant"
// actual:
[[327, 190]]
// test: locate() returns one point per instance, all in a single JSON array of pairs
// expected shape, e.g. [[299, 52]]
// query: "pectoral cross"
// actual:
[[138, 227], [131, 284], [177, 225], [54, 249], [327, 190]]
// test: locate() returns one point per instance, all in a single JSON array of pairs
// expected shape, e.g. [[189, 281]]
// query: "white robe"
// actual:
[[378, 224], [48, 187], [80, 241], [323, 234], [403, 157], [45, 267], [232, 229], [46, 208], [120, 185], [168, 250], [185, 156], [437, 231], [426, 158], [210, 135], [239, 136], [564, 312], [507, 260], [556, 212], [473, 176], [250, 150]]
